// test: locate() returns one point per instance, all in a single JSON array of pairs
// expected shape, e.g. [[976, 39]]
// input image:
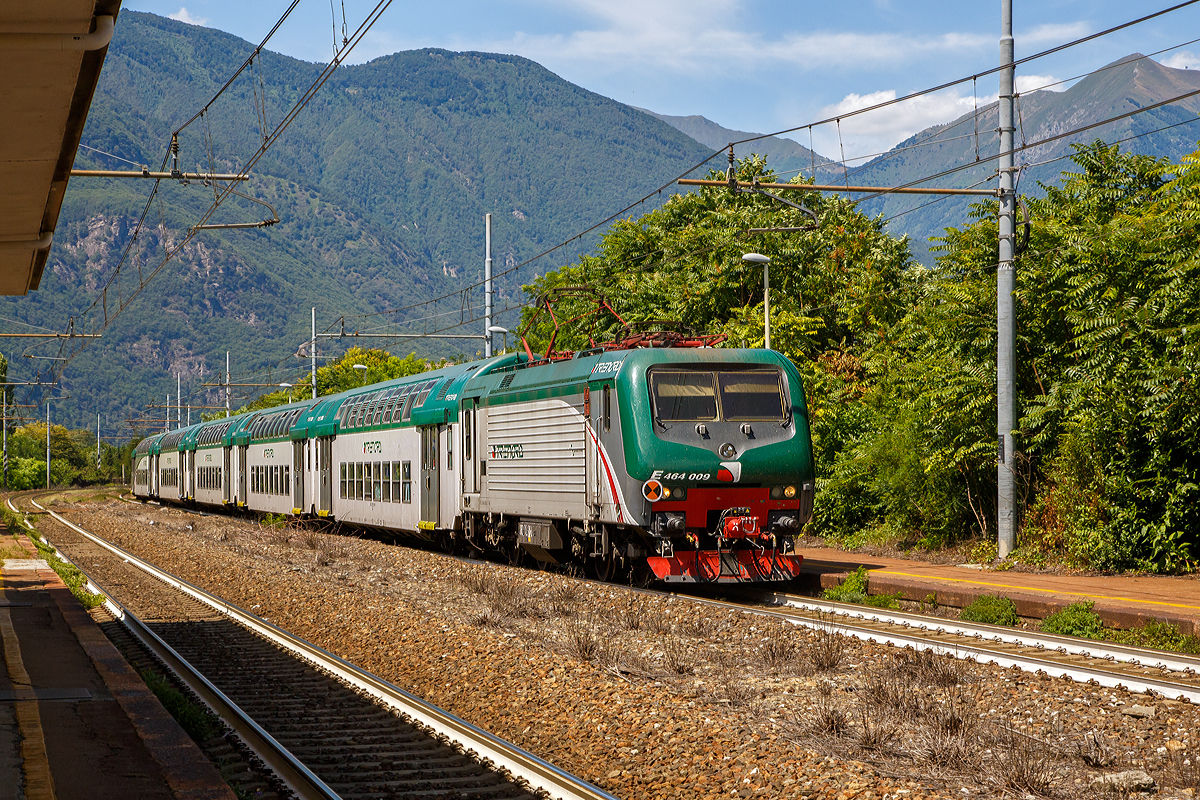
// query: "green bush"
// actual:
[[1077, 619], [991, 610], [854, 590], [1159, 636]]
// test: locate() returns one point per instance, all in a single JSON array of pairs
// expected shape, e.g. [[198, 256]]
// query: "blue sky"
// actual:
[[759, 65]]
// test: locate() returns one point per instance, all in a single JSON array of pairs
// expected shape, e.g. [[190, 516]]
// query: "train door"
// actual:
[[470, 455], [430, 477], [599, 407], [325, 463], [153, 477], [189, 492], [243, 456], [593, 473], [226, 475], [298, 473]]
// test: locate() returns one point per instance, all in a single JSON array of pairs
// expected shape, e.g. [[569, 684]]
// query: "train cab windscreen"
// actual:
[[708, 396]]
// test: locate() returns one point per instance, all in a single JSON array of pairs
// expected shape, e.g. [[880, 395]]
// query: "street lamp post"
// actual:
[[362, 368], [287, 386], [757, 258], [497, 329]]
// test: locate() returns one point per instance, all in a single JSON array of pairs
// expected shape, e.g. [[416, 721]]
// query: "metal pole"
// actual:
[[97, 440], [178, 399], [47, 444], [227, 380], [487, 286], [4, 390], [767, 305], [167, 415], [312, 351], [1005, 283]]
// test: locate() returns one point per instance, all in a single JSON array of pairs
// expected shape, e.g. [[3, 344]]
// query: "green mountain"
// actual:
[[381, 184], [785, 156], [1124, 86]]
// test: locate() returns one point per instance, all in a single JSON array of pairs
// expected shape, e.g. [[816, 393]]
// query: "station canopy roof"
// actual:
[[51, 52]]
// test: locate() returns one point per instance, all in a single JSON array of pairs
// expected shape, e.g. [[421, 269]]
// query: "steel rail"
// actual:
[[521, 764], [1002, 654], [278, 758], [1067, 645]]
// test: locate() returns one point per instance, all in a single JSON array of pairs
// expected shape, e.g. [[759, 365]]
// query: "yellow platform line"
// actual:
[[1033, 589]]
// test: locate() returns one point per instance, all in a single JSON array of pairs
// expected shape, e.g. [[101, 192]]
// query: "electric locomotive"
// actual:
[[678, 463]]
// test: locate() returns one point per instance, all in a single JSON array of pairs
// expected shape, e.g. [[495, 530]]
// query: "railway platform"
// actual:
[[1121, 601], [75, 718]]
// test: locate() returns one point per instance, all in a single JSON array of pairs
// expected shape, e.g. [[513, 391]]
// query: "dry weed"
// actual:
[[876, 733], [488, 618], [582, 641], [930, 667], [563, 597], [778, 651], [311, 540], [828, 647], [1022, 763], [1094, 751], [508, 596], [677, 659], [948, 736], [630, 615], [827, 717], [660, 622]]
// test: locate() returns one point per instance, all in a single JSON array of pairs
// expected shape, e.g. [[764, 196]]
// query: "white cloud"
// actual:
[[1053, 33], [1182, 60], [878, 131], [183, 15], [686, 36], [1029, 83]]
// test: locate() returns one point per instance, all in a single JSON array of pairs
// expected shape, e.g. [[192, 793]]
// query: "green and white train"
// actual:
[[684, 464]]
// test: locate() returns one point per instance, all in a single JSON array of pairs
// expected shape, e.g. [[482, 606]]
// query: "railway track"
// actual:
[[325, 727], [1155, 672], [1170, 675]]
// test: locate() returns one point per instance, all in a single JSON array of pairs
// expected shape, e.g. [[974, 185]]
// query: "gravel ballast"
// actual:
[[655, 697]]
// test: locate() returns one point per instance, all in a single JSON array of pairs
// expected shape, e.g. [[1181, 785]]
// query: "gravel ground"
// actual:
[[652, 697]]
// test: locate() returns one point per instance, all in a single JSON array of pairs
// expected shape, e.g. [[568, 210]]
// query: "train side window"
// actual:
[[387, 481], [378, 491], [343, 480], [606, 407], [287, 479], [396, 482], [407, 482], [358, 480], [367, 479], [449, 449]]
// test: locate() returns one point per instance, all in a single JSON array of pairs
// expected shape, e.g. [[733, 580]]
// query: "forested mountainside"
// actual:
[[381, 184]]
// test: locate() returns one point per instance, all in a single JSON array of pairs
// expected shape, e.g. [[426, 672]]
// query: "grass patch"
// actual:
[[991, 610], [854, 590], [70, 574], [1078, 619], [197, 722], [1159, 636]]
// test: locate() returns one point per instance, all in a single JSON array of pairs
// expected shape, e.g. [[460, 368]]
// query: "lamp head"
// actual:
[[756, 258]]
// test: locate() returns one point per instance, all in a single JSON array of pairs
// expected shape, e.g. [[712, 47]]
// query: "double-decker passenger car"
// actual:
[[692, 464]]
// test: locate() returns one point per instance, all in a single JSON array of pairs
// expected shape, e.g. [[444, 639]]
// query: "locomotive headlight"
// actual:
[[789, 492], [776, 492], [666, 494], [679, 494], [727, 450]]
